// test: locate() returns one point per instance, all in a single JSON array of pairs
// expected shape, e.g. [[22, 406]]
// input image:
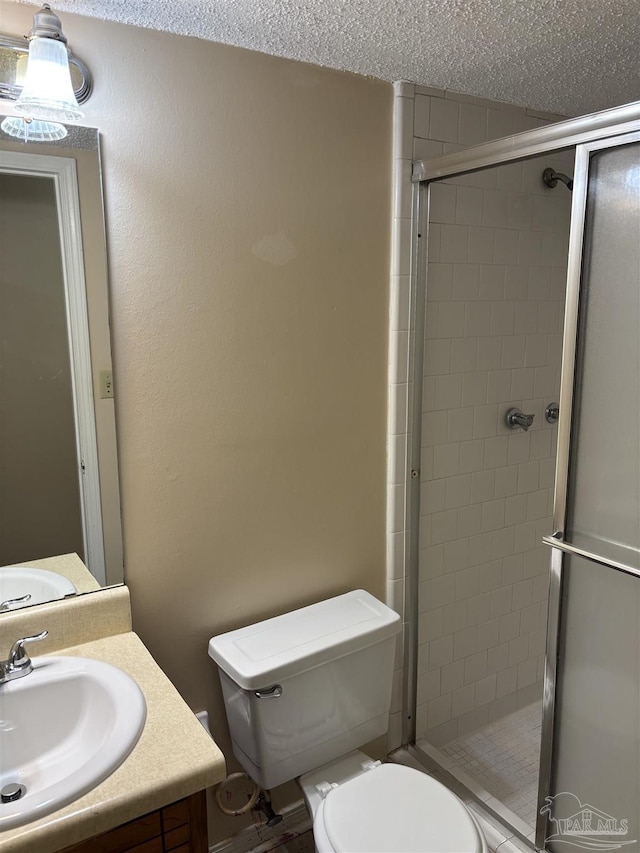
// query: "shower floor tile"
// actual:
[[503, 758]]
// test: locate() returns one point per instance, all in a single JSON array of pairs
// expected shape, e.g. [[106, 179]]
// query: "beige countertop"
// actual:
[[174, 758], [70, 566]]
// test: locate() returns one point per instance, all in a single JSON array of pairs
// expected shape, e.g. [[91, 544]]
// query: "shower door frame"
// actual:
[[585, 134]]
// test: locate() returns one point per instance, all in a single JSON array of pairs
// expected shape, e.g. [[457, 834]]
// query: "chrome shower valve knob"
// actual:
[[518, 420]]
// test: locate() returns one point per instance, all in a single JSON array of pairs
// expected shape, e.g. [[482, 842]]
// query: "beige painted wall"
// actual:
[[247, 207]]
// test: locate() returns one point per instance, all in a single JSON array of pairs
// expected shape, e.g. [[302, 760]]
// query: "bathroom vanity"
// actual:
[[154, 800]]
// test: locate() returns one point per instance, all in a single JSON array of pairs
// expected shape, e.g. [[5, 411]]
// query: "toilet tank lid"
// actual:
[[259, 655]]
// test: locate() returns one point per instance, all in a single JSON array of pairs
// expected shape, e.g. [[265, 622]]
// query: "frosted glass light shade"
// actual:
[[48, 92], [33, 130]]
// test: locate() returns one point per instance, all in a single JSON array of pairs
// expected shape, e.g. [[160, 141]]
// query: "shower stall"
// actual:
[[522, 487]]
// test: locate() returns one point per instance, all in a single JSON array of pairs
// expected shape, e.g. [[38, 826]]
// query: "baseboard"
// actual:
[[260, 839]]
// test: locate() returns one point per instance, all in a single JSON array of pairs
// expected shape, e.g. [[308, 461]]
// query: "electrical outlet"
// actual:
[[106, 384]]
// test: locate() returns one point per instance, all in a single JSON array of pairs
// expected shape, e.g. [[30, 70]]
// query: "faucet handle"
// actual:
[[518, 420], [18, 657]]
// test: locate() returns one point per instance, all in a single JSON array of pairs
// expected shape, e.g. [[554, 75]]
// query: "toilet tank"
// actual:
[[308, 686]]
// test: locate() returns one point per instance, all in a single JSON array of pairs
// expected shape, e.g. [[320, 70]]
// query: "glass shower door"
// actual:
[[590, 781]]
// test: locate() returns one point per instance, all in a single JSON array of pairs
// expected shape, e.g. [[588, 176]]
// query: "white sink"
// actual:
[[64, 728], [41, 584]]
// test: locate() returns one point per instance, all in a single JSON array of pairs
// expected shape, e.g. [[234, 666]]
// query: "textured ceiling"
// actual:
[[566, 56]]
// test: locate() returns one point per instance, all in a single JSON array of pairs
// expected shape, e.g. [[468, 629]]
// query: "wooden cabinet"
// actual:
[[178, 828]]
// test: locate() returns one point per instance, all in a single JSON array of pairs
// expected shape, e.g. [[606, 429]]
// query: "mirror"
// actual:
[[59, 491]]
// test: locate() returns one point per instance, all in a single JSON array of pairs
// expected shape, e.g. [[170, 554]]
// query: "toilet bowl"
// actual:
[[303, 691], [363, 806]]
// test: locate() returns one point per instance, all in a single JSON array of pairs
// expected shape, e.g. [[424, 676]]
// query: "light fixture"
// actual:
[[47, 96]]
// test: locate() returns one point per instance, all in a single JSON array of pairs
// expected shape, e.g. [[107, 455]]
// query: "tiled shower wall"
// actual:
[[479, 289], [498, 245]]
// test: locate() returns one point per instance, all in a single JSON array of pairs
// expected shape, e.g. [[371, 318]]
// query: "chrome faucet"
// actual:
[[18, 664], [518, 420]]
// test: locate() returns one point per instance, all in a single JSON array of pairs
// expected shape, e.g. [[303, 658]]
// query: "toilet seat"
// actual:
[[394, 808]]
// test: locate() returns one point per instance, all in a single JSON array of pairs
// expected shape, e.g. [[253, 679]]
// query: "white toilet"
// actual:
[[302, 691]]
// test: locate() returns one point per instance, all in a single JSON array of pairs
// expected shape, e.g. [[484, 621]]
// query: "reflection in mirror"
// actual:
[[58, 466]]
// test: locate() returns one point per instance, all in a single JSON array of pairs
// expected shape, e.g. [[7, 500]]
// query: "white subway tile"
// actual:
[[485, 421], [431, 561], [426, 149], [477, 320], [473, 124], [479, 552], [513, 347], [464, 353], [505, 246], [512, 569], [462, 700], [428, 686], [451, 676], [481, 245], [395, 554], [544, 383], [509, 175], [465, 642], [493, 515], [499, 124], [466, 278], [515, 510], [502, 318], [439, 283], [441, 651], [506, 480], [522, 594], [525, 537], [530, 619], [454, 243], [396, 508], [528, 477], [439, 710], [451, 320], [495, 208], [433, 240], [483, 486], [437, 356], [445, 526], [397, 458], [454, 618], [499, 386], [430, 622], [489, 349], [497, 658], [400, 304], [522, 383], [539, 288], [519, 447], [526, 318], [509, 626], [478, 608], [403, 127], [485, 690], [421, 116], [491, 576], [471, 456], [520, 210], [458, 491], [443, 123], [500, 602], [502, 542], [399, 357], [515, 283], [434, 428], [518, 650], [536, 350], [495, 452], [456, 555], [541, 444], [537, 503], [432, 495], [527, 672], [548, 469], [470, 520], [507, 681], [474, 389], [469, 205], [442, 204], [397, 414], [475, 667], [460, 424], [491, 282], [446, 460]]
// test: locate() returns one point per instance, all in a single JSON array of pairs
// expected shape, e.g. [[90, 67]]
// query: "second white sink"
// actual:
[[64, 728], [41, 584]]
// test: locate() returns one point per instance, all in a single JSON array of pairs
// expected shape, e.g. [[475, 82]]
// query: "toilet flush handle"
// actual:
[[274, 692]]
